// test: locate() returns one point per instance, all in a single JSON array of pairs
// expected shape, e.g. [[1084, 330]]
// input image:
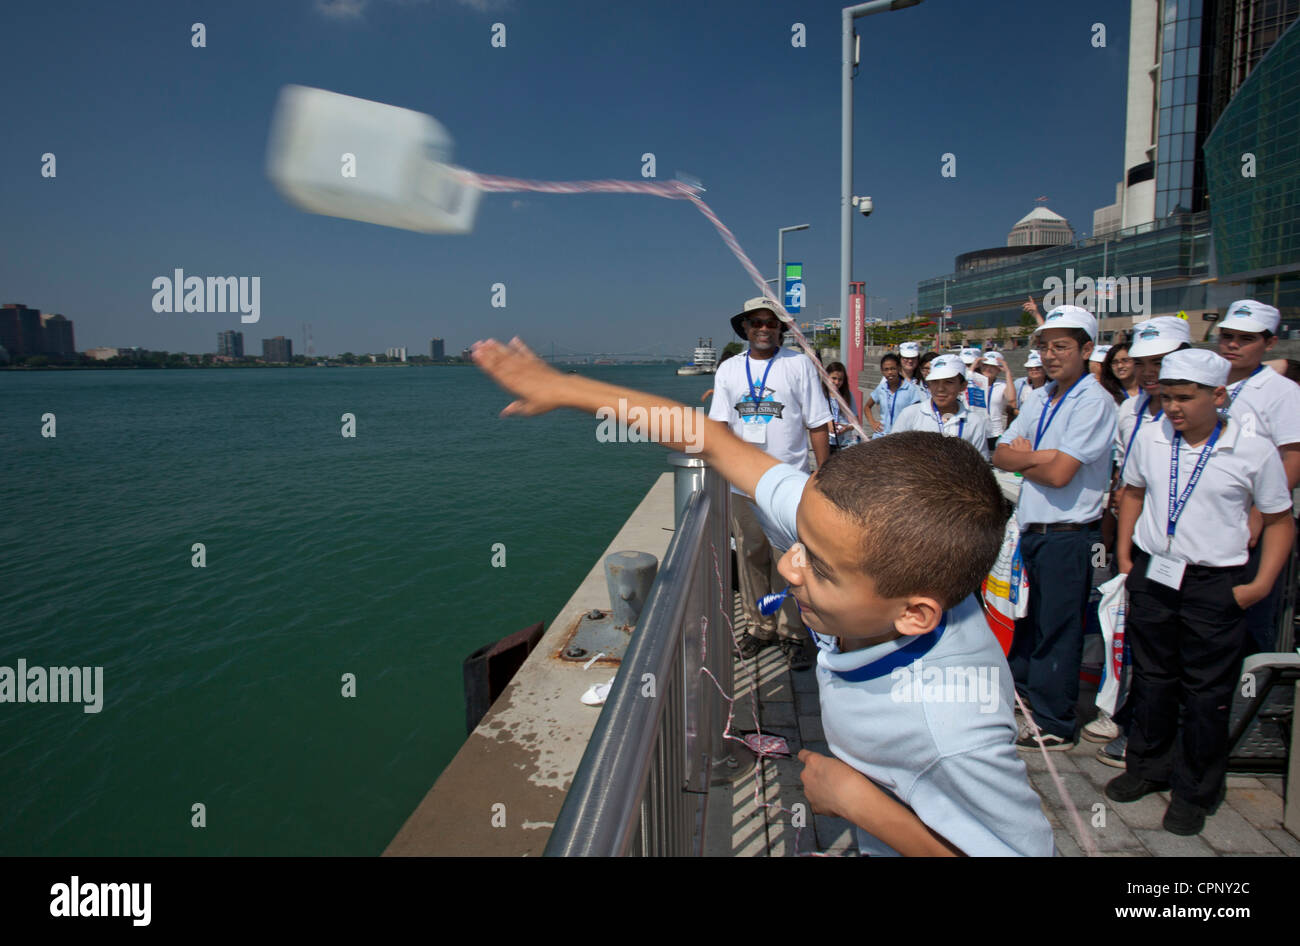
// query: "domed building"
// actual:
[[1041, 227]]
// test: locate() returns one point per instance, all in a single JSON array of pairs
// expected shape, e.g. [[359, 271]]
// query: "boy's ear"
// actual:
[[920, 615]]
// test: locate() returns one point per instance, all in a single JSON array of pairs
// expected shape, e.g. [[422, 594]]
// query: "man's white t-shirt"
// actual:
[[997, 407], [791, 402]]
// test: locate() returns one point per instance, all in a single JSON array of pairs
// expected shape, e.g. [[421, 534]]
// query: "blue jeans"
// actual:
[[1048, 646]]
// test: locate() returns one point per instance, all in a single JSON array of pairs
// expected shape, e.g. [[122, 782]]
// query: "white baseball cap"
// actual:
[[1197, 365], [1247, 315], [946, 366], [909, 350], [1159, 336], [1070, 316], [971, 355], [1034, 360], [992, 358], [1099, 353]]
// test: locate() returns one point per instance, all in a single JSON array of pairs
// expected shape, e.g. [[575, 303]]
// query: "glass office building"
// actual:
[[1252, 160]]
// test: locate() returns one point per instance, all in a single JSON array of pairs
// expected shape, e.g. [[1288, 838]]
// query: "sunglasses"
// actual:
[[763, 323]]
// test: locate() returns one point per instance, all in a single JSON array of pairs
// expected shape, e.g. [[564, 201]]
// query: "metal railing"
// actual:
[[642, 787]]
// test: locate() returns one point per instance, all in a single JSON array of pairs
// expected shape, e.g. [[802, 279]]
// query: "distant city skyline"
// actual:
[[166, 170]]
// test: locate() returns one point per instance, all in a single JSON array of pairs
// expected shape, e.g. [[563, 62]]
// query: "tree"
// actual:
[[734, 348]]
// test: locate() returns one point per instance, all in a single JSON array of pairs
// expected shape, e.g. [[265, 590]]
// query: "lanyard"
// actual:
[[1050, 415], [1142, 413], [961, 428], [893, 400], [756, 397], [1242, 383], [1178, 503]]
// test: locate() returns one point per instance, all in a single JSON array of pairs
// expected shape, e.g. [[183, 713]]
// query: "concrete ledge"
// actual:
[[524, 753]]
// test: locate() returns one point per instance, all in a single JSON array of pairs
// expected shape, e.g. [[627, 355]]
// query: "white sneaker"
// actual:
[[1101, 729]]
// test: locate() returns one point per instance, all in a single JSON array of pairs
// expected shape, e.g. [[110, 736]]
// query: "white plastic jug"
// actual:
[[398, 175]]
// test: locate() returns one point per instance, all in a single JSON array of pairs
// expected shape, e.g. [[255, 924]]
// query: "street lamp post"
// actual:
[[847, 16], [780, 257]]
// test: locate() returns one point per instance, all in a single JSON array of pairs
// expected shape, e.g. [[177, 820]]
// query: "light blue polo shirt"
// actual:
[[928, 719], [892, 403], [1081, 425]]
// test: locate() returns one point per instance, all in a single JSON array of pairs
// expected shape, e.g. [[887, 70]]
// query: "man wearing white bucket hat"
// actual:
[[771, 397], [1061, 444]]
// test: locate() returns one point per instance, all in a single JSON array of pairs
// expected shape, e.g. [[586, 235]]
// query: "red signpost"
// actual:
[[853, 334]]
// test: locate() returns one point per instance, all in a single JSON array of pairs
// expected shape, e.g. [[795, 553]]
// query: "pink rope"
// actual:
[[676, 190]]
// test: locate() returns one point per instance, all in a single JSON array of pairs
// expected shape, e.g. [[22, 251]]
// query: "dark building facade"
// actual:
[[20, 330], [278, 349], [57, 337], [230, 343], [437, 349]]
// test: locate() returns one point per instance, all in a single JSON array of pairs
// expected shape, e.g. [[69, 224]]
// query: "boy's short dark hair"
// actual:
[[1173, 381], [890, 356], [931, 511]]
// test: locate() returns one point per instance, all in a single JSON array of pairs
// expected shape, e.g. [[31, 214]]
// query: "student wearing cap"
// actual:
[[1002, 394], [770, 397], [1061, 444], [944, 412], [1097, 359], [1152, 340], [1269, 405], [1190, 482], [909, 354], [1035, 378], [893, 394]]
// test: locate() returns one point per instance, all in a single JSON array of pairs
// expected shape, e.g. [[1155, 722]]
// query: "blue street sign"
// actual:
[[794, 288]]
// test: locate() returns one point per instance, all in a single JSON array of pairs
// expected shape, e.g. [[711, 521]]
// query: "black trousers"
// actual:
[[1186, 656]]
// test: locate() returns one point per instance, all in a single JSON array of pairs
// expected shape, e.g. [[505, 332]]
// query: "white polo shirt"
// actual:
[[1082, 424], [971, 426], [928, 719], [791, 402], [1126, 420], [1275, 402], [1212, 529]]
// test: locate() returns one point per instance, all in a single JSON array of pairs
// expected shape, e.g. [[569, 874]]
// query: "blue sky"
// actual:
[[161, 147]]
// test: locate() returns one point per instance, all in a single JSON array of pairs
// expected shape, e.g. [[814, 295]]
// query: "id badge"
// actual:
[[754, 433], [1166, 571]]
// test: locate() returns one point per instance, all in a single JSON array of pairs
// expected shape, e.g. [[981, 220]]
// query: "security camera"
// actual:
[[864, 205]]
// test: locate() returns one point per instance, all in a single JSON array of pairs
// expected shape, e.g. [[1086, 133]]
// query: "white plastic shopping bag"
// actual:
[[1111, 612], [1006, 589]]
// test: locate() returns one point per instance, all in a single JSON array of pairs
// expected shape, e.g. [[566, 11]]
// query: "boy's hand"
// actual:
[[1247, 595], [824, 779], [520, 372], [1021, 443]]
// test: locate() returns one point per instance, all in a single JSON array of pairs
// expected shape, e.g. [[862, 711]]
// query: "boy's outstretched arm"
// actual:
[[539, 388]]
